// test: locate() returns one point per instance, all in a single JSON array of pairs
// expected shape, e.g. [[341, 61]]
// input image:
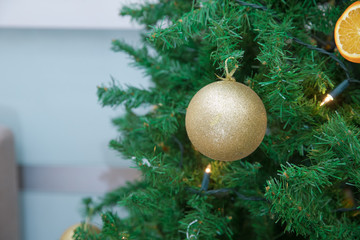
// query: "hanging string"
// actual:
[[229, 76]]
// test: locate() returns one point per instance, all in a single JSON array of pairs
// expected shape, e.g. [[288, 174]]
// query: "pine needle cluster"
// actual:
[[302, 180]]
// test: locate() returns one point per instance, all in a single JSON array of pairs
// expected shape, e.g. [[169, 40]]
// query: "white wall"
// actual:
[[90, 14], [48, 81]]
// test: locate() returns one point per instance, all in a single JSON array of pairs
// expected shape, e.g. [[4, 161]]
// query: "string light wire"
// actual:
[[347, 81], [341, 87]]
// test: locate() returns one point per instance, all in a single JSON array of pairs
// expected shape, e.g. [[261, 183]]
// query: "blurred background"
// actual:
[[53, 55]]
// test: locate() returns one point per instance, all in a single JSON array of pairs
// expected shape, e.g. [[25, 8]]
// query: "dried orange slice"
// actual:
[[347, 33]]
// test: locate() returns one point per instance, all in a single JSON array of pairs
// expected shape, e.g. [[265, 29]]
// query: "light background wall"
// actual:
[[48, 80], [73, 14], [48, 96]]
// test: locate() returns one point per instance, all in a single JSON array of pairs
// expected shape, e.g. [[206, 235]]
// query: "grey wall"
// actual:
[[48, 81]]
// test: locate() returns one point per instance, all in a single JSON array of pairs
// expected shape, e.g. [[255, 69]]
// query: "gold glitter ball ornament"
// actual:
[[69, 233], [226, 120]]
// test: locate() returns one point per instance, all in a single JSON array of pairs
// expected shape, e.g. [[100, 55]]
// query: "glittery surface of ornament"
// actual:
[[226, 120]]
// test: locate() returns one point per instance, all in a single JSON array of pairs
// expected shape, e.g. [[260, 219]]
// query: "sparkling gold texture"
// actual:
[[226, 121], [69, 233]]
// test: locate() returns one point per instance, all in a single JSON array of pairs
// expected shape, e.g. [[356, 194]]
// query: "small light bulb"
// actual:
[[208, 169], [327, 99]]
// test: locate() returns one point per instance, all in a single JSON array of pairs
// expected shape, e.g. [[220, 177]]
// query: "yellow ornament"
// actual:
[[69, 233], [226, 120]]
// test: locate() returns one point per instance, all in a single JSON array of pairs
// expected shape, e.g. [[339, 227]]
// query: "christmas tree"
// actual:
[[302, 182]]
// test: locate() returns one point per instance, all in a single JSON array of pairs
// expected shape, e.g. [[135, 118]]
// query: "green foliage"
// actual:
[[151, 14], [307, 166], [334, 159]]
